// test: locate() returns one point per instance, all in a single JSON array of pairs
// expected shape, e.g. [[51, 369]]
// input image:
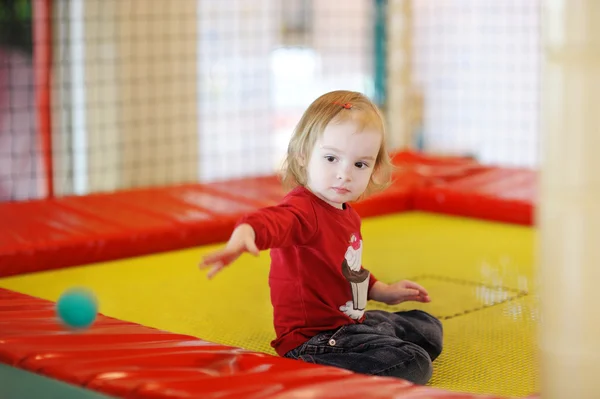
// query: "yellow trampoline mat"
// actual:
[[479, 275]]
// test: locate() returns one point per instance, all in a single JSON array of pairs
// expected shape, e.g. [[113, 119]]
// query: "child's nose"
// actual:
[[345, 173]]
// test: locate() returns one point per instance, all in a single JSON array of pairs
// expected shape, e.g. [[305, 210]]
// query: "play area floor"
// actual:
[[479, 274]]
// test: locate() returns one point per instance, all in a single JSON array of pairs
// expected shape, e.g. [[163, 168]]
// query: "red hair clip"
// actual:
[[347, 105]]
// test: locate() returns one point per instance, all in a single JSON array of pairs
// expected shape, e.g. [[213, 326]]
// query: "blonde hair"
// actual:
[[336, 106]]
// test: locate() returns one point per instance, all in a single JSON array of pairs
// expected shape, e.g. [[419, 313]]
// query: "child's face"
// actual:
[[342, 162]]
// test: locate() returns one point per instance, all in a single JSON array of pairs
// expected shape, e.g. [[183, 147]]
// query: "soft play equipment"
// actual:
[[461, 228]]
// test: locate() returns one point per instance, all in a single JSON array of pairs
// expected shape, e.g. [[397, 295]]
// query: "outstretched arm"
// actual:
[[277, 226]]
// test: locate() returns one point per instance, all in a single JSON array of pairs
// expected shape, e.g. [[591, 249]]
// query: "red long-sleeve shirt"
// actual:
[[316, 278]]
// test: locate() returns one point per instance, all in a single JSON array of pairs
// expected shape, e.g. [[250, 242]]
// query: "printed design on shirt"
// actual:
[[357, 277]]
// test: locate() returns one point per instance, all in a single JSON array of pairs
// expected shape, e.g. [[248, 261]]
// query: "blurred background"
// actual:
[[105, 95]]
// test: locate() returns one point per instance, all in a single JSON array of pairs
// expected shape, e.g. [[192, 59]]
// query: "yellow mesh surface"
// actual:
[[479, 275], [491, 351]]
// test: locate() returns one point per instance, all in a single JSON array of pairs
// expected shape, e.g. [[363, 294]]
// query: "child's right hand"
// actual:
[[241, 240]]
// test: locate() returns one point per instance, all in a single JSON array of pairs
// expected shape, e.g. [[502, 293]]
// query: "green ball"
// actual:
[[77, 308]]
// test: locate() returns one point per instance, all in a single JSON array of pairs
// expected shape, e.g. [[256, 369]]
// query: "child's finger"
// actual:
[[409, 292], [209, 260], [412, 284], [219, 256], [214, 270]]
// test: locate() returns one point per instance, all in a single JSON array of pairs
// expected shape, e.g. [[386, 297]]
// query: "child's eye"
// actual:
[[361, 165], [330, 158]]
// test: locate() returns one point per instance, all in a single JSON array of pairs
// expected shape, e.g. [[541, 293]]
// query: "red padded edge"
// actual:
[[43, 235], [505, 195], [129, 360]]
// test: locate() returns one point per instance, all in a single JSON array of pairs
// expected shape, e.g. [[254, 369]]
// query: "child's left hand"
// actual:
[[403, 291]]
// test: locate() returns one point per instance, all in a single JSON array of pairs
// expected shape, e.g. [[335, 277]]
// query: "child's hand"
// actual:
[[241, 240], [404, 291]]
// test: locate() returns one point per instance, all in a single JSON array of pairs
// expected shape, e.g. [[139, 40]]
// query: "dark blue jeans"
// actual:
[[401, 344]]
